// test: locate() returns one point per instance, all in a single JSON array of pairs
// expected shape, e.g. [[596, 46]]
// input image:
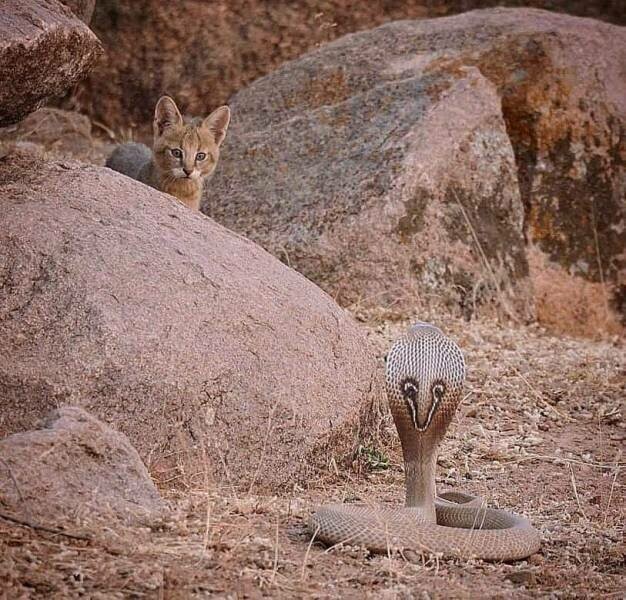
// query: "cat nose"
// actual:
[[187, 171]]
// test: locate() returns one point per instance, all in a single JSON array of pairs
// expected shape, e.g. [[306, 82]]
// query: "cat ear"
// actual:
[[166, 115], [217, 123]]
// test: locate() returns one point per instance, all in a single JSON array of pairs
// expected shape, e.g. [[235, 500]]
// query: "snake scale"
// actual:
[[424, 375]]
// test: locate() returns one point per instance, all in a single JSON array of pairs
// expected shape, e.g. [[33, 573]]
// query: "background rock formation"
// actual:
[[203, 52], [44, 50], [75, 466], [191, 340], [384, 185], [188, 337], [83, 9], [54, 133], [354, 125]]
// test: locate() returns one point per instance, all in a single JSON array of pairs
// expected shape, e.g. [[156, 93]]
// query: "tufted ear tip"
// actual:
[[217, 123], [166, 114]]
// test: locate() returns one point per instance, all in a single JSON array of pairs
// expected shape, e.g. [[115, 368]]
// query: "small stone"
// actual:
[[522, 578], [77, 461]]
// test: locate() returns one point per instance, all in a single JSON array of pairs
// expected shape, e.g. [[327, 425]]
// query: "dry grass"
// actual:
[[503, 306], [541, 432]]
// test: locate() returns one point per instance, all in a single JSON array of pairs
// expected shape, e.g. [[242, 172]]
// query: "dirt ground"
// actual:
[[540, 432]]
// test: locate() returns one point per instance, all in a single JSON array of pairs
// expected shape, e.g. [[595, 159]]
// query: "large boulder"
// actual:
[[44, 50], [212, 356], [75, 466], [395, 193], [563, 90], [385, 158], [203, 52]]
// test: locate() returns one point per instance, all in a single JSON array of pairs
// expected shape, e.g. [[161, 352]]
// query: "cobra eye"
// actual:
[[409, 389], [200, 156], [409, 394], [438, 391]]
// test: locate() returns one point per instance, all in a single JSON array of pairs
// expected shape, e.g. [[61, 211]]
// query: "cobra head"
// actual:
[[425, 375]]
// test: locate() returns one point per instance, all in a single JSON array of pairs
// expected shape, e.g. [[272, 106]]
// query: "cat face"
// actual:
[[187, 150]]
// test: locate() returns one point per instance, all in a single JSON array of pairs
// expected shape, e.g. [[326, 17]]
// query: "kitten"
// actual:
[[184, 152]]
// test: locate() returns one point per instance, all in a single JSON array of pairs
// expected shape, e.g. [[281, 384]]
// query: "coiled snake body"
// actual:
[[425, 375]]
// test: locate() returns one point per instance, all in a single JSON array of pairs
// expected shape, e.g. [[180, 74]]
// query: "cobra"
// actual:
[[424, 375]]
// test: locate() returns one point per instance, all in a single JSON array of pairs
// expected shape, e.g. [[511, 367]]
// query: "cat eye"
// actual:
[[200, 156], [176, 152]]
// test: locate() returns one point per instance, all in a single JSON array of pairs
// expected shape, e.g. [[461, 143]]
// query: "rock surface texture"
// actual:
[[75, 466], [203, 52], [211, 355], [413, 160], [83, 9], [377, 193], [54, 133], [44, 50]]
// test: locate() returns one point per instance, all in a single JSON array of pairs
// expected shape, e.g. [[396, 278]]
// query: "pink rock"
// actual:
[[73, 467], [208, 353], [44, 50], [409, 164]]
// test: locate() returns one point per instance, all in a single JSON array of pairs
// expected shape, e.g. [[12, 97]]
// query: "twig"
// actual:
[[270, 428], [605, 296], [538, 395], [608, 504], [106, 129], [233, 489], [341, 542], [553, 458], [207, 524], [485, 261], [36, 526], [287, 257], [275, 569], [580, 508], [362, 301], [207, 521], [389, 563], [17, 487], [306, 554], [480, 510]]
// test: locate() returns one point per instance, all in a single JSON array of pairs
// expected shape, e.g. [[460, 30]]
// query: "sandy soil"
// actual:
[[540, 432]]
